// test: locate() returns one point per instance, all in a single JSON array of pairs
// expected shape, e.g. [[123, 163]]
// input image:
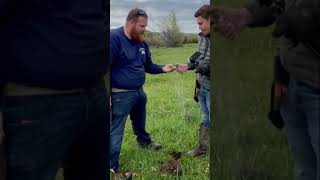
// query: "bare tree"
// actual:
[[171, 35]]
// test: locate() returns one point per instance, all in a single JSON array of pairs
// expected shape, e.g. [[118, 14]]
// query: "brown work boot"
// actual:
[[203, 143]]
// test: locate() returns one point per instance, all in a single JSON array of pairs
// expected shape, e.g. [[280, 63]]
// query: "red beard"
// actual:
[[136, 36]]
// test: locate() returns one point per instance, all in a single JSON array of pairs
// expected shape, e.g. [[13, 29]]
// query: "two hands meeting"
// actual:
[[180, 68]]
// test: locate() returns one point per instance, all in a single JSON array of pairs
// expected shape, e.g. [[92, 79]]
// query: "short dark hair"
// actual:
[[135, 13], [205, 11]]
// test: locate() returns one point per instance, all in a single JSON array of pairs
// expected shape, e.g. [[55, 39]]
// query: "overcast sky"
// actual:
[[157, 11]]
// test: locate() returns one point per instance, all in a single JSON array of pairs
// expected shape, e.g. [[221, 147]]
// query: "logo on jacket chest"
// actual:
[[142, 51]]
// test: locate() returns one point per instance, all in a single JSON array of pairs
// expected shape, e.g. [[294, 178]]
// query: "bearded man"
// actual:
[[130, 59]]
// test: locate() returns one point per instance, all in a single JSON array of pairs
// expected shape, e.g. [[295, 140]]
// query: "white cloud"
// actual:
[[157, 11]]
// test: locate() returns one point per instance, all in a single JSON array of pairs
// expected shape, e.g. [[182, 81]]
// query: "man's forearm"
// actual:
[[154, 68]]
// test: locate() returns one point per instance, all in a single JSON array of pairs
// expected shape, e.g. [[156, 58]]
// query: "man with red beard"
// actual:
[[130, 59]]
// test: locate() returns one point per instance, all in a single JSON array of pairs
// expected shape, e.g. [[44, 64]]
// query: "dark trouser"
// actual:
[[46, 132], [301, 113], [123, 104]]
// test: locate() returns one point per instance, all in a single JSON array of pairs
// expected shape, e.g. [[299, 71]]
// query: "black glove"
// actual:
[[276, 119], [274, 114], [203, 69], [281, 78], [196, 91]]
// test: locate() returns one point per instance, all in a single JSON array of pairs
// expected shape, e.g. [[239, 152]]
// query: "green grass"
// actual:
[[244, 139], [172, 120]]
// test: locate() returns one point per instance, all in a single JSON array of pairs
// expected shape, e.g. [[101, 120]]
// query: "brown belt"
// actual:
[[13, 89]]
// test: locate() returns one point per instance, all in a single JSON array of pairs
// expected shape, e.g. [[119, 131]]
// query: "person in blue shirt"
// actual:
[[130, 59]]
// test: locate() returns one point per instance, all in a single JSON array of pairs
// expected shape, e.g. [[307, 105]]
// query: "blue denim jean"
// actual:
[[127, 103], [204, 101], [46, 132], [301, 113]]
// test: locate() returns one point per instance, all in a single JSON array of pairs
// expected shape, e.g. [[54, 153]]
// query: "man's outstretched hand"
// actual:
[[182, 68], [168, 68]]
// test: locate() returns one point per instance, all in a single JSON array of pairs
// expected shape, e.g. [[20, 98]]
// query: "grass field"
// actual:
[[246, 146], [172, 120]]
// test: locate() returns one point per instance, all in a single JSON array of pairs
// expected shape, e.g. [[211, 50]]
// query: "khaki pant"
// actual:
[[2, 150]]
